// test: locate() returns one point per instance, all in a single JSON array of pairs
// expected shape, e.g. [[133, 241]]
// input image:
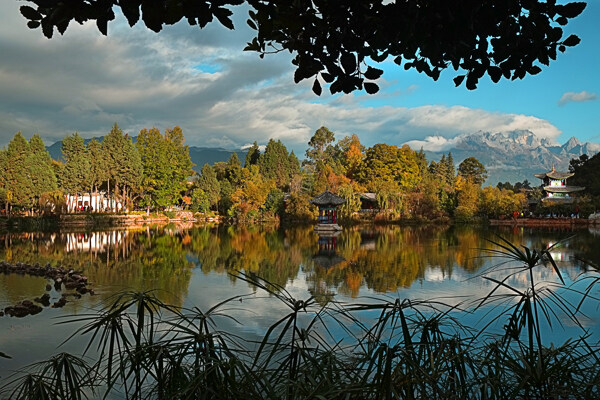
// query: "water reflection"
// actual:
[[360, 259], [189, 266]]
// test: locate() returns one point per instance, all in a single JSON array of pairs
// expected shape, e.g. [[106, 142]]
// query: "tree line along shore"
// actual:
[[154, 175]]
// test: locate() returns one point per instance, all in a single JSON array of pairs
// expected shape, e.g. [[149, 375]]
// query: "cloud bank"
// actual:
[[202, 81]]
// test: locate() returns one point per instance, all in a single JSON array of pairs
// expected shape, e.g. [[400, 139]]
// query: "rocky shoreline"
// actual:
[[68, 281]]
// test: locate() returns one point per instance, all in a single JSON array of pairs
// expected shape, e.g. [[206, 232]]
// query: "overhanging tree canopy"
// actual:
[[338, 42]]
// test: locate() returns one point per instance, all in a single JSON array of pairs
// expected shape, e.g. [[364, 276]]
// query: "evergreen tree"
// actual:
[[151, 147], [253, 155], [320, 147], [209, 184], [75, 176], [39, 162], [19, 189], [234, 170], [113, 147], [275, 164], [98, 169], [178, 155], [472, 170]]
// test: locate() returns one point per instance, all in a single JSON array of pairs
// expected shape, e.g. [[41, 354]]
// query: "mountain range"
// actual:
[[198, 155], [515, 156], [508, 156]]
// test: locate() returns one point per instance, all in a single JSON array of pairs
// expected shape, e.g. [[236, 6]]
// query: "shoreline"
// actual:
[[545, 222]]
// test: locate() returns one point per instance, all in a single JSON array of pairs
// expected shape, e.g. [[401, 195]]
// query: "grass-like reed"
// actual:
[[141, 348]]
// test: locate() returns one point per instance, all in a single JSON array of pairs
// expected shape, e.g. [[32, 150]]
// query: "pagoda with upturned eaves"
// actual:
[[555, 187], [328, 203]]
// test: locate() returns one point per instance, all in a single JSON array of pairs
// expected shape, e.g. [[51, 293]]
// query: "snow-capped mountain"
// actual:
[[515, 156]]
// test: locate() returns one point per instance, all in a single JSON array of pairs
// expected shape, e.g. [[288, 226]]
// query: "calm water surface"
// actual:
[[191, 266]]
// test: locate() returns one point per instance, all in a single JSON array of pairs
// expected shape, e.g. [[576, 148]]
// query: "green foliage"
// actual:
[[253, 155], [472, 170], [200, 201], [586, 173], [298, 208], [468, 202], [277, 164], [208, 183], [274, 202], [390, 163]]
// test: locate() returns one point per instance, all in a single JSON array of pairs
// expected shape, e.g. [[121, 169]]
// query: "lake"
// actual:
[[194, 266]]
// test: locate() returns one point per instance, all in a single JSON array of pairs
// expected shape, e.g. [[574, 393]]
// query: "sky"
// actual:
[[220, 96]]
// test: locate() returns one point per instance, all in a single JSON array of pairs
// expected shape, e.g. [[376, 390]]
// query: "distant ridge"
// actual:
[[199, 155], [514, 156]]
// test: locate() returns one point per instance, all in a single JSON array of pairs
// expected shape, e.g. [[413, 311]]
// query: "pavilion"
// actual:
[[555, 187], [328, 204]]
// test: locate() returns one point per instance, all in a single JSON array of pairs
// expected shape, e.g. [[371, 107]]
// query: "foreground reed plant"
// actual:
[[380, 349]]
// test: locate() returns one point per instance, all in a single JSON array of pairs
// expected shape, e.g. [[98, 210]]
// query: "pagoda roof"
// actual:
[[327, 198], [563, 189], [554, 174]]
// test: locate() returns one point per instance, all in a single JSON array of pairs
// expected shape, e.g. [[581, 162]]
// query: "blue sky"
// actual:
[[202, 81]]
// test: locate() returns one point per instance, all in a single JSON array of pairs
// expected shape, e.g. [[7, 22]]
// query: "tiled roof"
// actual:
[[327, 198], [563, 189]]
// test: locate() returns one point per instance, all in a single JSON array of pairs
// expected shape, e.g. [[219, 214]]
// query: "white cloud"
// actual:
[[578, 97], [85, 82]]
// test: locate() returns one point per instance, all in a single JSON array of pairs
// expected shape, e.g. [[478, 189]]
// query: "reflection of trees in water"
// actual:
[[382, 258], [138, 260], [272, 254]]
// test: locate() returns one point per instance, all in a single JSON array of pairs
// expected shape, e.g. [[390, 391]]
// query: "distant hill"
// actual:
[[515, 156], [199, 155]]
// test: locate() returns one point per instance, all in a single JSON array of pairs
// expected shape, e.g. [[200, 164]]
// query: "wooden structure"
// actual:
[[555, 187], [328, 204]]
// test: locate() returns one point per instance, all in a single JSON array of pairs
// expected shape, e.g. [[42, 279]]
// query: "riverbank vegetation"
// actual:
[[382, 183], [138, 347]]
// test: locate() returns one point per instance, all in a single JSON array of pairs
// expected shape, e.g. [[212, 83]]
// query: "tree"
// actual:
[[208, 183], [41, 174], [472, 170], [586, 173], [252, 156], [98, 170], [151, 146], [178, 156], [320, 148], [352, 154], [503, 39], [75, 174], [277, 164], [18, 185], [384, 162]]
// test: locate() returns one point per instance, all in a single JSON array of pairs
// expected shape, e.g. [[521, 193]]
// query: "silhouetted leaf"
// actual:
[[223, 15], [251, 24], [534, 70], [30, 13], [102, 25], [327, 77], [348, 61], [562, 21], [371, 87], [459, 79], [33, 24], [47, 28], [131, 10], [571, 10], [495, 73], [317, 87], [571, 41], [373, 73], [472, 80]]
